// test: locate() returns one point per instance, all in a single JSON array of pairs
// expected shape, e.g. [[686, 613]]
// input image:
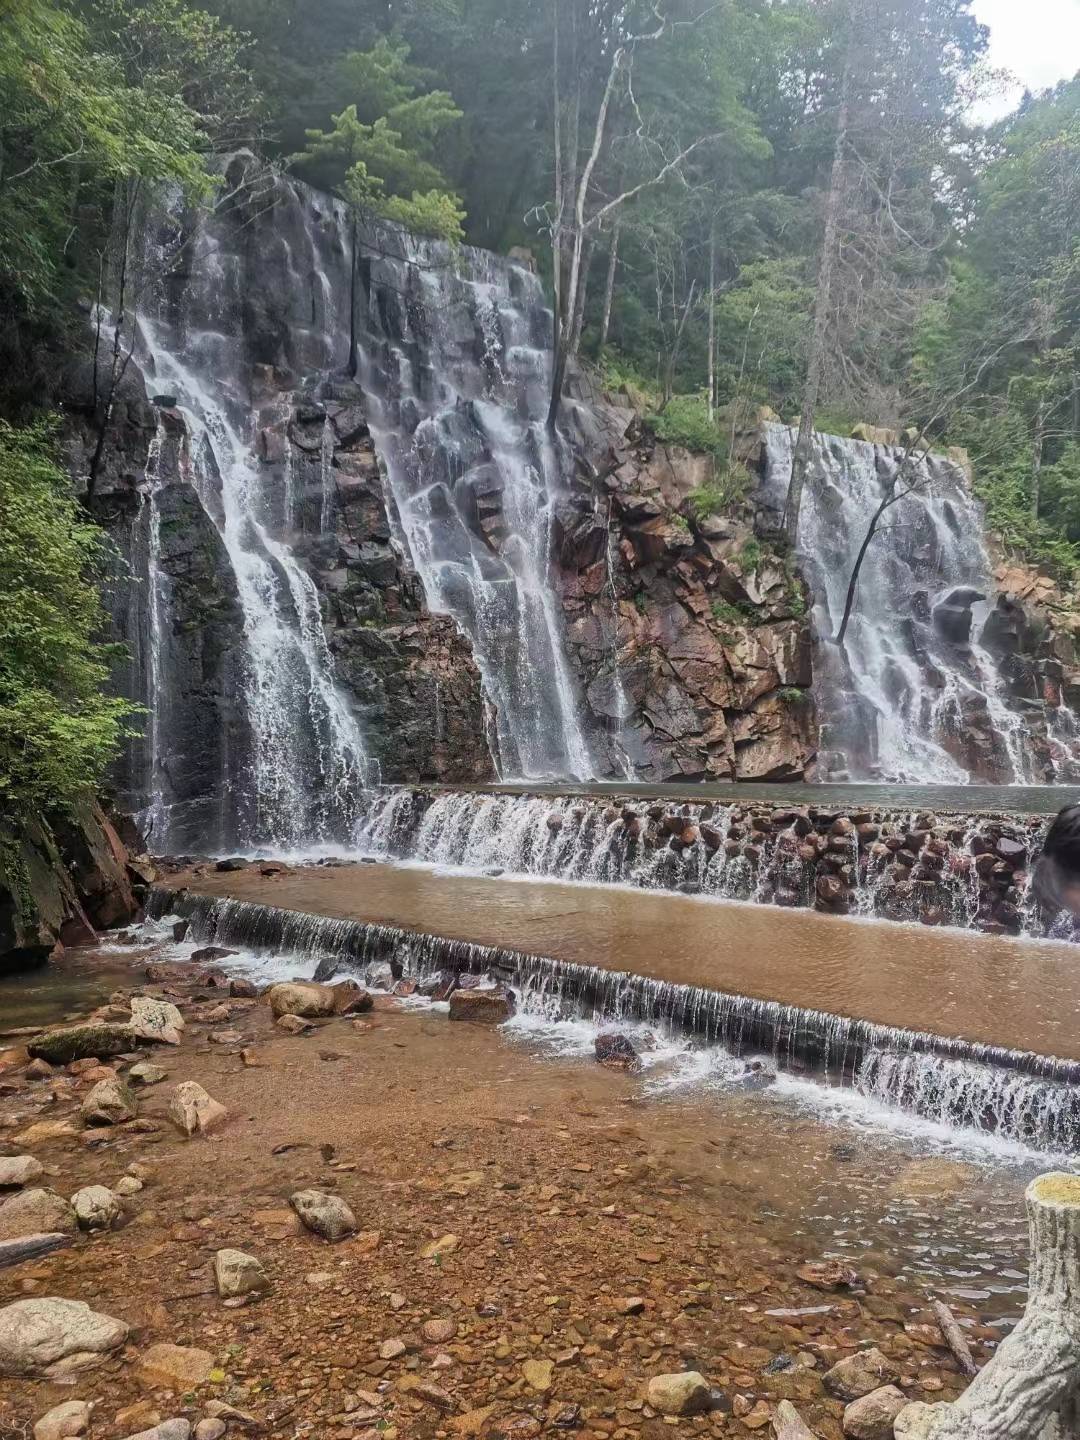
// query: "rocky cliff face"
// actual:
[[407, 673], [360, 422], [690, 636], [61, 880]]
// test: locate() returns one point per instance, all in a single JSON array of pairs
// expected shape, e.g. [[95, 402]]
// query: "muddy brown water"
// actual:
[[1019, 993]]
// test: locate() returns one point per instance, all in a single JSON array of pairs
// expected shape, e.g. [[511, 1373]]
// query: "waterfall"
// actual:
[[304, 772], [455, 364], [916, 696], [274, 310], [154, 819], [1032, 1099]]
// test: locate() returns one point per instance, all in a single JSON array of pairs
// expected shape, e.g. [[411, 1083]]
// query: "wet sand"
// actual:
[[1021, 994]]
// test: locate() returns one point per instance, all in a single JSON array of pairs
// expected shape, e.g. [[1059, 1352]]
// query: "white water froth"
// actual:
[[298, 793], [897, 702]]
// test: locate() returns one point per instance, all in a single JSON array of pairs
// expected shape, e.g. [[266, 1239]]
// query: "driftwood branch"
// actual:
[[1030, 1389], [30, 1247], [954, 1338]]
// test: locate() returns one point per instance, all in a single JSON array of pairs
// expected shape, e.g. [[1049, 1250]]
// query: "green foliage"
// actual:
[[751, 555], [58, 731], [999, 446], [724, 493], [385, 164], [763, 325], [685, 421], [619, 375], [792, 695], [93, 94], [726, 614]]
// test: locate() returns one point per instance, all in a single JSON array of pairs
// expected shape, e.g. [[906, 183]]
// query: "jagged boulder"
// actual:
[[193, 1111]]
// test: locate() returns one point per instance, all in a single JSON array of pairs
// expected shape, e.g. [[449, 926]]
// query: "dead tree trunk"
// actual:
[[609, 285], [1029, 1390], [676, 346], [711, 381]]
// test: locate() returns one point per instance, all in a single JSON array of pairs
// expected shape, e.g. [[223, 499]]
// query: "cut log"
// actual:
[[954, 1338], [1029, 1389], [30, 1247]]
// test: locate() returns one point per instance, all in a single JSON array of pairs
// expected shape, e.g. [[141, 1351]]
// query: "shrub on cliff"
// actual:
[[58, 729]]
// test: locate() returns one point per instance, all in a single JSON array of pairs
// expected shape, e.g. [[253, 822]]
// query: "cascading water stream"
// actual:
[[154, 820], [1030, 1099], [915, 696], [455, 366], [306, 769]]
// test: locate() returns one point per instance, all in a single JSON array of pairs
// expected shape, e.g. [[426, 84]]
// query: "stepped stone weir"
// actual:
[[1030, 1098], [967, 870]]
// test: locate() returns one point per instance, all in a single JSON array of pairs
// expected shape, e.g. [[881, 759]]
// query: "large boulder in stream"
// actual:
[[81, 1042], [304, 998], [482, 1007]]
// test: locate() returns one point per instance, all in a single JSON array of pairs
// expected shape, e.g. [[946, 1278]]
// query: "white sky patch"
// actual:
[[1037, 40]]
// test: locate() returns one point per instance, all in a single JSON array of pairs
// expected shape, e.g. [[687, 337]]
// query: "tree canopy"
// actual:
[[58, 729]]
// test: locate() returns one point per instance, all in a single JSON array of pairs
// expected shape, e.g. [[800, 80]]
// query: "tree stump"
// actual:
[[1030, 1390]]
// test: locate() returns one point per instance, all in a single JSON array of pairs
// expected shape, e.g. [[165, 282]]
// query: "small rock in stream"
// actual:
[[238, 1275], [64, 1421], [616, 1051], [324, 1215], [96, 1208], [872, 1416], [857, 1375], [686, 1392]]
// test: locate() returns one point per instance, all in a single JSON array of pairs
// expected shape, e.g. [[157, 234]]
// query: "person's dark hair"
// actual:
[[1059, 863]]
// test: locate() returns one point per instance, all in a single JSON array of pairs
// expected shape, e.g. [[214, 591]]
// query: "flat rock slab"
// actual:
[[64, 1421], [175, 1367], [53, 1337], [36, 1212]]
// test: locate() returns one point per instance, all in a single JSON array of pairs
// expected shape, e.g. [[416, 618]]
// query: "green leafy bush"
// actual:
[[685, 421], [725, 492], [725, 613], [58, 730]]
